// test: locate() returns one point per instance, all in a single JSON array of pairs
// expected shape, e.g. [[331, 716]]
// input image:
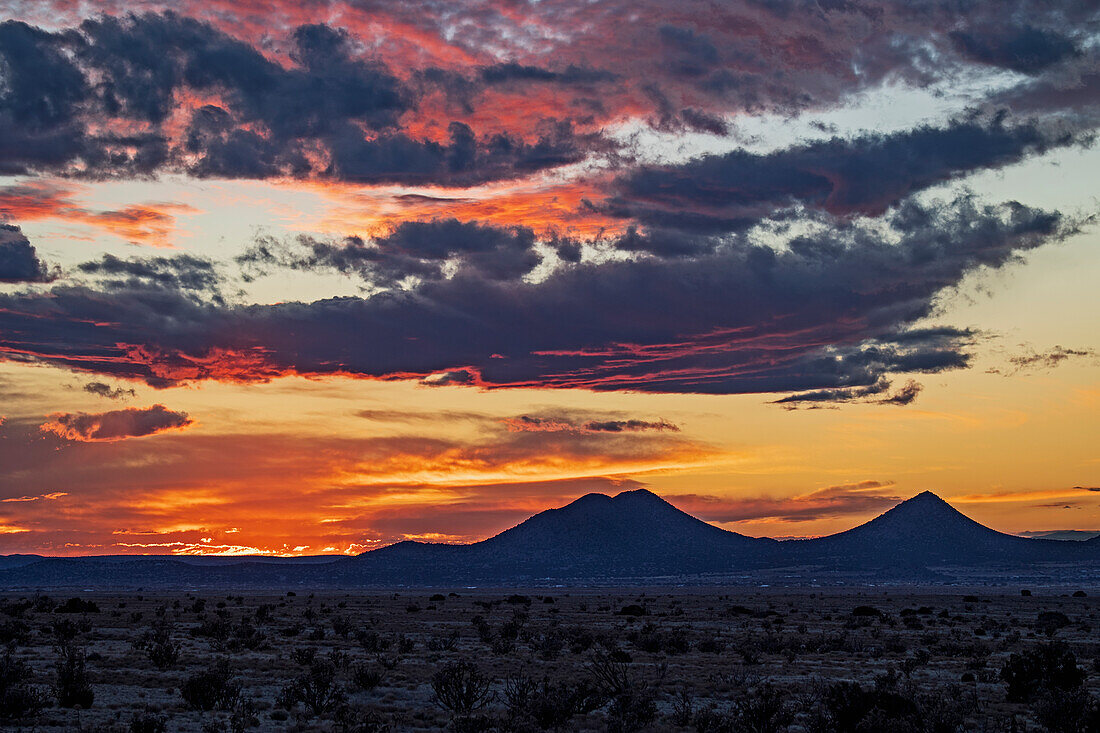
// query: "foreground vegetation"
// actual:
[[569, 660]]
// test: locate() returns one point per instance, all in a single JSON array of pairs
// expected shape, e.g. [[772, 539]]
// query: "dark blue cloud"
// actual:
[[19, 261], [423, 250], [1026, 49], [831, 313], [860, 175]]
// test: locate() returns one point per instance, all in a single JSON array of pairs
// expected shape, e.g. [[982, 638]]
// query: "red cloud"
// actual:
[[115, 425], [150, 224]]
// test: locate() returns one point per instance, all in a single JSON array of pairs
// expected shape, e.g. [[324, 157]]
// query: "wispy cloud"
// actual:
[[859, 498]]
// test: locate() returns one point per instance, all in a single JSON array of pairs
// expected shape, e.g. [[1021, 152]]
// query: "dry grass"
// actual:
[[689, 652]]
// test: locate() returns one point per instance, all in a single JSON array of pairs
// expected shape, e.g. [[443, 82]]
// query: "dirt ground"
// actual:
[[628, 659]]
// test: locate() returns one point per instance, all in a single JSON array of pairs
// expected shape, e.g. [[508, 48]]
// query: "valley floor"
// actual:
[[629, 659]]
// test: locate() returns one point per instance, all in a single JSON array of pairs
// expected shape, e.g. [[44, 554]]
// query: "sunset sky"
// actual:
[[304, 277]]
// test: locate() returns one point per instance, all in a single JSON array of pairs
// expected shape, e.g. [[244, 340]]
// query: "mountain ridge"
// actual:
[[634, 535]]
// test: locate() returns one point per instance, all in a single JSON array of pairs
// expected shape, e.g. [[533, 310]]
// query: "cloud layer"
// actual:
[[832, 310], [132, 422], [19, 262]]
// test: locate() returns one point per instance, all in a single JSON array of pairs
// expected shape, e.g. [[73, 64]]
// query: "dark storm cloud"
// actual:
[[183, 272], [139, 94], [574, 421], [1025, 48], [571, 75], [150, 57], [105, 390], [904, 395], [115, 425], [861, 175], [572, 424], [829, 313], [877, 393], [19, 261], [464, 160], [268, 120], [687, 52], [424, 250], [1038, 360], [1070, 90]]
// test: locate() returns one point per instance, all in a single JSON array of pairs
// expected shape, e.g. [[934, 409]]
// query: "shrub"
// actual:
[[1049, 622], [77, 605], [148, 722], [245, 635], [763, 710], [683, 709], [867, 612], [243, 717], [654, 640], [158, 646], [632, 610], [342, 626], [846, 706], [358, 720], [14, 632], [317, 688], [461, 689], [212, 689], [65, 631], [633, 702], [1045, 667], [72, 686], [711, 646], [18, 698], [443, 643], [548, 705], [214, 627], [367, 676], [372, 642], [631, 711], [1067, 711]]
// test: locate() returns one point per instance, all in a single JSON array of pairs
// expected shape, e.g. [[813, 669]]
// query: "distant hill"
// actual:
[[926, 530], [633, 533], [1071, 535], [633, 537]]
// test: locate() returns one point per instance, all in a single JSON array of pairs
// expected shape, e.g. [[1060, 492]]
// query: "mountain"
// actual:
[[633, 534], [1071, 535], [926, 530], [633, 537]]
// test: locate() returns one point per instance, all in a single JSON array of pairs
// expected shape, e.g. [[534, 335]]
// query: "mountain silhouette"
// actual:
[[635, 532], [633, 537], [926, 530], [632, 534]]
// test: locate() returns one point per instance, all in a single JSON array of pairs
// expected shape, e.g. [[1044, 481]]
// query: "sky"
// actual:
[[315, 277]]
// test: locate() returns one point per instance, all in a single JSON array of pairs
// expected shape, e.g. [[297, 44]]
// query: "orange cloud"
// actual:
[[541, 203], [1028, 495], [859, 498], [275, 492], [131, 422], [149, 224]]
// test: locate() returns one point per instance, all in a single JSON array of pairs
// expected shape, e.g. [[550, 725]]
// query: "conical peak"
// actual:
[[926, 497], [639, 495]]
